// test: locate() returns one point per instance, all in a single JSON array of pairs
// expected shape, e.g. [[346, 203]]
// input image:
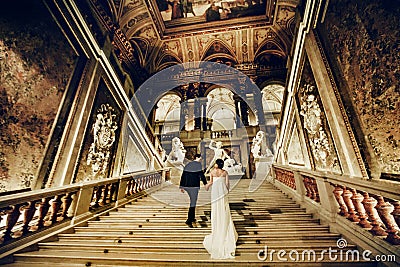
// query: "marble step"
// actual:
[[199, 239], [124, 237], [175, 223], [184, 229], [178, 217], [101, 259], [182, 247], [196, 236]]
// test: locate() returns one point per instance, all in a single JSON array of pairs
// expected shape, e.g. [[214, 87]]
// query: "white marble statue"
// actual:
[[230, 164], [259, 148], [177, 154], [232, 167], [219, 153]]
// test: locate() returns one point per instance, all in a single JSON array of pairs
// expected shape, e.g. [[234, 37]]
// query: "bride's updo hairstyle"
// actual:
[[220, 163]]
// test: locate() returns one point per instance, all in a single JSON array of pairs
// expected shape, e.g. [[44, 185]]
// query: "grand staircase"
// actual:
[[151, 231]]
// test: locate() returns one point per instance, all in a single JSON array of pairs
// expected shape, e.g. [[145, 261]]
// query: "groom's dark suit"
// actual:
[[190, 182]]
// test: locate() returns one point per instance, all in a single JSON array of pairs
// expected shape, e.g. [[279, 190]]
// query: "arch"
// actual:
[[214, 104], [142, 46], [218, 48], [191, 72], [167, 60], [168, 112]]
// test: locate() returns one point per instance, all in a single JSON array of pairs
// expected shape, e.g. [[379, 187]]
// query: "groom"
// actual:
[[190, 182]]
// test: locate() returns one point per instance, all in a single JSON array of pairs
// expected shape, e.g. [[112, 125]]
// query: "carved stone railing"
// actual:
[[373, 205], [286, 177], [25, 216], [221, 134], [375, 213], [311, 187]]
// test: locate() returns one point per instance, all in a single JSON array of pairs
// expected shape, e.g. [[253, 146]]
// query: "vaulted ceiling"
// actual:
[[255, 42]]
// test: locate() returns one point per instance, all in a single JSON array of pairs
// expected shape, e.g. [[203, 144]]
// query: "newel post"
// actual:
[[84, 197], [300, 188], [122, 190], [327, 198]]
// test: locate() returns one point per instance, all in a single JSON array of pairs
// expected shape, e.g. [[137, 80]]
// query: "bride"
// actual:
[[221, 243]]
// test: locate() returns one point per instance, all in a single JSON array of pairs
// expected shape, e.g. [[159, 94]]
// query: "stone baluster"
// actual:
[[135, 186], [128, 188], [338, 192], [307, 186], [55, 207], [362, 215], [113, 190], [66, 204], [385, 209], [347, 195], [151, 180], [140, 183], [12, 218], [314, 190], [97, 195], [28, 213], [105, 194], [43, 209], [369, 205], [396, 212], [132, 184]]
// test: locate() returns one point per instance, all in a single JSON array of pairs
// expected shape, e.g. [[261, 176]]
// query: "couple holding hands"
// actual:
[[221, 243]]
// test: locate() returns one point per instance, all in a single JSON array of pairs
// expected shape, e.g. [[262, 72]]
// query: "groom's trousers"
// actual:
[[193, 192]]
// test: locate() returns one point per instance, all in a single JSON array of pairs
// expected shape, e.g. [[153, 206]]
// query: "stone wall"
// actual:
[[364, 36], [36, 63]]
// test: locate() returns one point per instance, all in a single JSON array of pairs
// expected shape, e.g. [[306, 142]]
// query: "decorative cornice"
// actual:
[[120, 41]]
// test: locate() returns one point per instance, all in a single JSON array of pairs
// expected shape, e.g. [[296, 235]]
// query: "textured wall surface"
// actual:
[[365, 37], [35, 65]]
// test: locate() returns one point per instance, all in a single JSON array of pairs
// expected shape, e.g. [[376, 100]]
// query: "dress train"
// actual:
[[221, 243]]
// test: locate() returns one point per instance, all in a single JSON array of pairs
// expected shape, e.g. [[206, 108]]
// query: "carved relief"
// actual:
[[173, 47], [104, 129], [260, 35], [285, 13], [149, 33], [313, 121], [130, 5]]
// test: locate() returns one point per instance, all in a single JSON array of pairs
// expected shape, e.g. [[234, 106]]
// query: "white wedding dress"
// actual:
[[221, 243]]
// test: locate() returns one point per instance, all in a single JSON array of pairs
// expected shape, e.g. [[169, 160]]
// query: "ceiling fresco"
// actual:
[[247, 41]]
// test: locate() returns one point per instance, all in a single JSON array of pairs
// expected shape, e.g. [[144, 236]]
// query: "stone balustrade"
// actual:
[[311, 187], [24, 214], [372, 212], [374, 208], [221, 134], [286, 177]]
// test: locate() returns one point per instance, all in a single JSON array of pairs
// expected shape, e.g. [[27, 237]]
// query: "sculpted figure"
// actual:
[[219, 153], [259, 147], [177, 154]]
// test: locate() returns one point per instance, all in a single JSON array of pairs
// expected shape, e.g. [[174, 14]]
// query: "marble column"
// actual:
[[183, 114], [237, 111], [197, 114]]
